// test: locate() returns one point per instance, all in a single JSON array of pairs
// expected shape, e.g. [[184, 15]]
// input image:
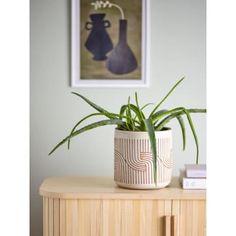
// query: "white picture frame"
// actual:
[[76, 78]]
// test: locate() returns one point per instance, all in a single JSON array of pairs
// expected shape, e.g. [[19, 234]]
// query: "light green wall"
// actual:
[[177, 48]]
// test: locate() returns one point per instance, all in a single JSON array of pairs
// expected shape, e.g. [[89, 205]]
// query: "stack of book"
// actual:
[[194, 177]]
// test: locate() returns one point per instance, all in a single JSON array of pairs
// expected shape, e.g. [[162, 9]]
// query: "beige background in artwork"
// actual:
[[177, 48], [91, 69]]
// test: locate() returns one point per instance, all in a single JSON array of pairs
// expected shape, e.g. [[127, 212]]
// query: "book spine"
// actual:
[[196, 173], [194, 183]]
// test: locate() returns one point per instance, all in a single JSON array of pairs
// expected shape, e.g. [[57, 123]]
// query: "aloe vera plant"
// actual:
[[132, 118]]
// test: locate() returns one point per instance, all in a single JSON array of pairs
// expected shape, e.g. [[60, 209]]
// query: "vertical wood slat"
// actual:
[[173, 225], [62, 217], [202, 216], [111, 217], [117, 209], [96, 217], [87, 218], [105, 217], [167, 212], [45, 216], [56, 217], [137, 212], [84, 217], [126, 216], [176, 212], [195, 218], [74, 217], [167, 225], [159, 213], [146, 208], [50, 217], [167, 205], [71, 213], [51, 222]]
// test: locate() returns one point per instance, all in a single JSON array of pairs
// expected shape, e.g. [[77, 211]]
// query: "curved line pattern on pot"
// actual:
[[133, 161], [138, 159], [133, 165]]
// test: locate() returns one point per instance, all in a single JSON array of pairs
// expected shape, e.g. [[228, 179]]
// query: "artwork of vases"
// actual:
[[110, 43], [119, 60]]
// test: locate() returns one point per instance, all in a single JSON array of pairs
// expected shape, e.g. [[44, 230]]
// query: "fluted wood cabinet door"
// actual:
[[105, 217], [135, 217], [189, 217]]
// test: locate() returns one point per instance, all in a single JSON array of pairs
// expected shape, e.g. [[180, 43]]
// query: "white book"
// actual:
[[195, 171], [194, 183]]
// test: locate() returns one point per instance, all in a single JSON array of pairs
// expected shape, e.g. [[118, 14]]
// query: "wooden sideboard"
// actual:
[[95, 206]]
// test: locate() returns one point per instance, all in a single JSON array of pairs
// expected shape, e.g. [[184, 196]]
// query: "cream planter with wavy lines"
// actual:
[[133, 159]]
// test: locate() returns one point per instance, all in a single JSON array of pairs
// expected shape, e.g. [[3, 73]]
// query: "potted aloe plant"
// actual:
[[143, 143]]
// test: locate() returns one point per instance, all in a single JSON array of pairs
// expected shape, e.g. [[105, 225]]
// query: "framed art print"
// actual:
[[109, 43]]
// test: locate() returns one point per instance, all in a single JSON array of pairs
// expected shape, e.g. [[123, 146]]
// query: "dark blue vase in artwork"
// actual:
[[98, 42], [122, 60]]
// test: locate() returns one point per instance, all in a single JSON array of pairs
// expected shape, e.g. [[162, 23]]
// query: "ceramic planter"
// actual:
[[133, 159]]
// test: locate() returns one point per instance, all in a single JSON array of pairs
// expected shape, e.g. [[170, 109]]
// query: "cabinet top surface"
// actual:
[[105, 188]]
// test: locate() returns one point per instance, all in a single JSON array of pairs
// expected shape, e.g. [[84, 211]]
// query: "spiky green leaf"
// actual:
[[96, 107], [86, 128], [167, 119], [146, 105], [193, 132], [141, 114], [167, 95], [82, 120], [182, 126], [151, 133]]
